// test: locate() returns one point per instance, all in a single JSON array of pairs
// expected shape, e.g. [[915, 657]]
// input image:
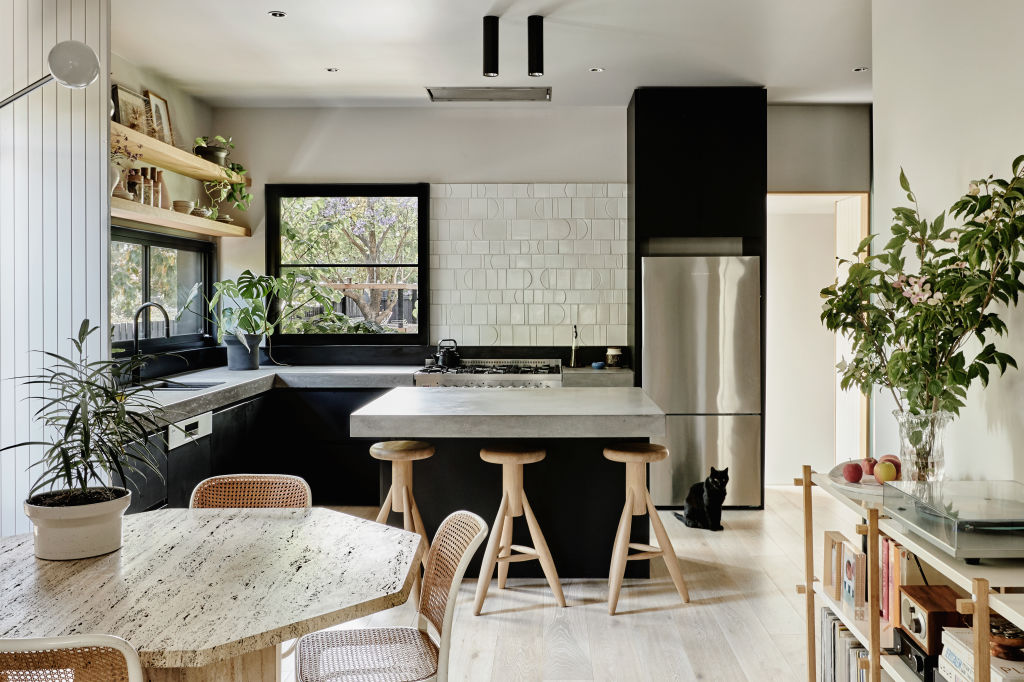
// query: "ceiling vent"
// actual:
[[489, 94]]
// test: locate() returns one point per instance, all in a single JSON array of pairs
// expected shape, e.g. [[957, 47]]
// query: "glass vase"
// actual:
[[921, 445]]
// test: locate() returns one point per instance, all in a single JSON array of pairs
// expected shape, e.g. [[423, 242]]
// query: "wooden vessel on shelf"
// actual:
[[151, 215], [157, 153]]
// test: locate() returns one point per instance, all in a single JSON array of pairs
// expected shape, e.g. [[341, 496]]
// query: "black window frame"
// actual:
[[179, 342], [273, 194]]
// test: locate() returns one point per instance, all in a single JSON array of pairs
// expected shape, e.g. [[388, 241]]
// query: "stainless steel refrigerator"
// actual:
[[701, 355]]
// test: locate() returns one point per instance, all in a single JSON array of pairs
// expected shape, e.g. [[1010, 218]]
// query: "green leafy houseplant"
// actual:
[[99, 426], [241, 308], [924, 332]]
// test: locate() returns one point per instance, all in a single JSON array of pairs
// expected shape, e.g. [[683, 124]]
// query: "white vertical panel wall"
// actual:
[[54, 214]]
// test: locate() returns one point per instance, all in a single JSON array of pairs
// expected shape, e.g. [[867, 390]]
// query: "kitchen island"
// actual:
[[575, 492]]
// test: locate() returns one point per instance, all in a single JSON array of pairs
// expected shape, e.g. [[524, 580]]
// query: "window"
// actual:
[[150, 267], [366, 243]]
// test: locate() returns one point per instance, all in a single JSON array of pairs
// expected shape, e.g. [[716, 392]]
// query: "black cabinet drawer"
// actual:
[[149, 488], [186, 467]]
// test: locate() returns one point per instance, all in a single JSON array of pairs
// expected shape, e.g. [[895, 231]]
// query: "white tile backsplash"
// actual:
[[519, 264]]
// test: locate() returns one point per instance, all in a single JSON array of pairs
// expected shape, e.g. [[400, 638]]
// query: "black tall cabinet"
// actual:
[[696, 169]]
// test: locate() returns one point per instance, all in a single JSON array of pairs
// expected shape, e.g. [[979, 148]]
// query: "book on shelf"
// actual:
[[884, 582], [856, 673], [958, 650]]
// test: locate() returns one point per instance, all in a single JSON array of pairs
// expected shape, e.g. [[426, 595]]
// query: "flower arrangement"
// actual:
[[923, 330], [122, 150]]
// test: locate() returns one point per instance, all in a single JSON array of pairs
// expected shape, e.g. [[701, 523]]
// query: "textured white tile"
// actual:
[[515, 261], [497, 230], [477, 208]]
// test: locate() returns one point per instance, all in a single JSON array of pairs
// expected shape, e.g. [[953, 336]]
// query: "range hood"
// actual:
[[447, 94]]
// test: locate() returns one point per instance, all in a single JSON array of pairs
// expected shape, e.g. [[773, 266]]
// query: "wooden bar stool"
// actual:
[[401, 454], [513, 504], [638, 502]]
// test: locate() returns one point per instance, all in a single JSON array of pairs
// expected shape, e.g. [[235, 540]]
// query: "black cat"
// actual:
[[703, 505]]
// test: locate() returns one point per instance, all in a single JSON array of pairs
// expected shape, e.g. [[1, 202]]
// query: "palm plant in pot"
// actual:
[[924, 331], [249, 308], [98, 430]]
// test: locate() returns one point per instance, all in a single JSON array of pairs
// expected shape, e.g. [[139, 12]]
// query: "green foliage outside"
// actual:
[[365, 240]]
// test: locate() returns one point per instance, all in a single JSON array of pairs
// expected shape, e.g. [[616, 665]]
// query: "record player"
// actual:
[[968, 520]]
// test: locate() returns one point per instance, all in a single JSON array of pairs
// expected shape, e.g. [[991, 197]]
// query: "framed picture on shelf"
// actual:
[[854, 585], [832, 580], [130, 109], [160, 118]]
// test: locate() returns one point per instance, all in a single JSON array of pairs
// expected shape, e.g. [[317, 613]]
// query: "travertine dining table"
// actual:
[[210, 594]]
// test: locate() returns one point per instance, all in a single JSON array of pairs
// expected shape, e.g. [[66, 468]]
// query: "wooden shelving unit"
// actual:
[[977, 580], [151, 215], [157, 153]]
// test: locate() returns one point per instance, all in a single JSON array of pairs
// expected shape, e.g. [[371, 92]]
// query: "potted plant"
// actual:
[[924, 331], [236, 193], [249, 308], [98, 427], [215, 148]]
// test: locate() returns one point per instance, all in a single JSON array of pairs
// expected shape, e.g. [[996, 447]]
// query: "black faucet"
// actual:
[[136, 378]]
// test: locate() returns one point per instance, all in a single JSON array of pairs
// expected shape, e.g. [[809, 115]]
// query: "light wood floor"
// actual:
[[744, 620]]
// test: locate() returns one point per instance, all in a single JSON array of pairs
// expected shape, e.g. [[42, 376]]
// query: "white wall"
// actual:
[[53, 214], [799, 365], [819, 148], [947, 108]]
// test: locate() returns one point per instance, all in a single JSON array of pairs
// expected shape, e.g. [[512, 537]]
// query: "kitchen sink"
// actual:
[[168, 385]]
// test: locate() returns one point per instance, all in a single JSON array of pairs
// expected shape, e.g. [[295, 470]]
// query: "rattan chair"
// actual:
[[76, 658], [401, 654], [251, 491]]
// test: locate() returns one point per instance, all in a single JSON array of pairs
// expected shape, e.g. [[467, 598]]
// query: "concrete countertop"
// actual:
[[423, 412], [237, 385], [578, 377]]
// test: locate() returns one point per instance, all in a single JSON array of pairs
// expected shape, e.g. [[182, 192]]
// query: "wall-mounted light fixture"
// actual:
[[490, 46], [72, 64], [535, 45]]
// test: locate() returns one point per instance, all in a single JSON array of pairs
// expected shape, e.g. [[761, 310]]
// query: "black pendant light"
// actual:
[[535, 45], [490, 46]]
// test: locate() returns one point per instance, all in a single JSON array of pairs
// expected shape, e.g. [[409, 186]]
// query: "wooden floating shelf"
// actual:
[[151, 215], [157, 153]]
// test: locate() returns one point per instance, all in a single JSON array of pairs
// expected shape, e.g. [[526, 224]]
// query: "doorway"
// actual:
[[809, 419]]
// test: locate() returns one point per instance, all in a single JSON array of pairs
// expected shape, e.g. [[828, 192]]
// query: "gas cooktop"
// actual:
[[489, 373]]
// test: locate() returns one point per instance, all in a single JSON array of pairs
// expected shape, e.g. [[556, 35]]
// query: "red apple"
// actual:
[[852, 472], [895, 461], [868, 465], [885, 471]]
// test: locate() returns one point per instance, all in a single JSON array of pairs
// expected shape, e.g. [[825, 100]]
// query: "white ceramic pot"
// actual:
[[77, 532]]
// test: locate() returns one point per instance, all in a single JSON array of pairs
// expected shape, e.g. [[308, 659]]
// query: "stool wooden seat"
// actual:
[[500, 549], [638, 502], [636, 452], [401, 454], [401, 450]]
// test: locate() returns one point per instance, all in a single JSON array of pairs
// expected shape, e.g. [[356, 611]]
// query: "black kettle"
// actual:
[[448, 353]]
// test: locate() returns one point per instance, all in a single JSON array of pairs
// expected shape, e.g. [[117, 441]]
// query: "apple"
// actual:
[[885, 471], [868, 465], [895, 461], [853, 472]]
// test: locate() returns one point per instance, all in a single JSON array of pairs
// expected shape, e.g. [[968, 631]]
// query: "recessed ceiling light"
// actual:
[[332, 69], [861, 69], [596, 69], [277, 14]]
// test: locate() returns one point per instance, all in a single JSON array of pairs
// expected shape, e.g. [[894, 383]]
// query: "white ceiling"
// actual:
[[230, 52]]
